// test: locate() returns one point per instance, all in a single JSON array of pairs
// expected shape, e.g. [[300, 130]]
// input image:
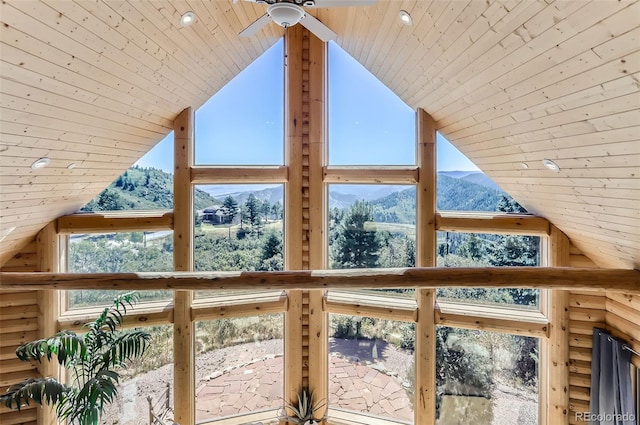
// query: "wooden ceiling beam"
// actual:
[[437, 277]]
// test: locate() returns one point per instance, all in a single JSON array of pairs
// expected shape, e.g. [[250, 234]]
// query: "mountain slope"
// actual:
[[453, 194], [143, 189]]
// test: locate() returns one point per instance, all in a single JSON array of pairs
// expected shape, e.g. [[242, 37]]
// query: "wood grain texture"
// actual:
[[183, 209], [426, 252], [99, 83], [519, 277]]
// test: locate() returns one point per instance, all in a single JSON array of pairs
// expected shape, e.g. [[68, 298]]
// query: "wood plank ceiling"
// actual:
[[513, 82]]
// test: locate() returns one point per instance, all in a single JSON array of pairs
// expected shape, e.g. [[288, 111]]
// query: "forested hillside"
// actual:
[[453, 194], [143, 189]]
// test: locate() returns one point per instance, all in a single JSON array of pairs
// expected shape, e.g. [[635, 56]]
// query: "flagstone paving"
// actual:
[[255, 386]]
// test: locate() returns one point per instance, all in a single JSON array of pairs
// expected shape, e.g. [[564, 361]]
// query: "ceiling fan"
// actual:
[[287, 13]]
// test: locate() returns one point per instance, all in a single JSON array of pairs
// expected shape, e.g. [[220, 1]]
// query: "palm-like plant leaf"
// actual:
[[125, 347], [67, 346], [40, 390], [92, 357], [112, 316]]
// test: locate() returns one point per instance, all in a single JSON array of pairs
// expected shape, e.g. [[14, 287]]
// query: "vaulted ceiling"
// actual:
[[510, 83]]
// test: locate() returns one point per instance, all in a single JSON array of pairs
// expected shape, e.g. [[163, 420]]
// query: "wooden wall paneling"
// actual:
[[151, 55], [54, 73], [432, 20], [426, 249], [183, 327], [13, 90], [174, 40], [137, 29], [63, 34], [507, 87], [110, 75], [581, 337], [203, 39], [557, 347], [318, 348], [489, 44], [293, 212], [442, 53], [16, 307], [435, 35], [558, 32]]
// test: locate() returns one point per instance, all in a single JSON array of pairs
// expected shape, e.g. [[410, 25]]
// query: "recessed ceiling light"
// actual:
[[71, 165], [524, 165], [40, 163], [187, 19], [549, 164], [405, 17]]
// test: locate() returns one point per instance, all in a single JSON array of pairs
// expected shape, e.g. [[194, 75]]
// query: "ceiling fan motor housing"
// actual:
[[285, 14]]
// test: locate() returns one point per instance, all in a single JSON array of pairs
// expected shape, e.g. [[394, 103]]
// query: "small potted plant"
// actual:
[[305, 412], [93, 360]]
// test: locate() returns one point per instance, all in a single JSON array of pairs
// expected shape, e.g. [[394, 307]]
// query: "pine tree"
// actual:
[[252, 208], [471, 247], [515, 251], [231, 209], [271, 258], [276, 210], [109, 200], [357, 246]]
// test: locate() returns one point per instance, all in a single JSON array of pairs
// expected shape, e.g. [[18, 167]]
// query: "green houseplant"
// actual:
[[92, 358], [304, 413]]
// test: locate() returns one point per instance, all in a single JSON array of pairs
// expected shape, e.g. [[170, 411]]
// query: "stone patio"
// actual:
[[358, 386]]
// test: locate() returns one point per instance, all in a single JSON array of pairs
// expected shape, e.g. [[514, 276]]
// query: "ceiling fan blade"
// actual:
[[253, 29], [318, 28], [342, 3]]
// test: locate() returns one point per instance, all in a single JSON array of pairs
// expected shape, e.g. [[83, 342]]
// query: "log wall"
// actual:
[[586, 311], [18, 324]]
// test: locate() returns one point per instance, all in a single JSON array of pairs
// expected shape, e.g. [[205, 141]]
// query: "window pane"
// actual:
[[148, 376], [484, 250], [372, 226], [242, 231], [239, 366], [243, 123], [486, 378], [119, 253], [368, 123], [370, 366]]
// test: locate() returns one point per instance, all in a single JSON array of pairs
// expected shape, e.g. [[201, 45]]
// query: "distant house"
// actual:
[[213, 215]]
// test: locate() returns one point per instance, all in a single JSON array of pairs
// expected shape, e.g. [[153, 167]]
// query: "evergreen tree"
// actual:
[[271, 255], [231, 209], [109, 200], [471, 247], [253, 215], [510, 205], [356, 246], [410, 253], [514, 250], [276, 210], [265, 209]]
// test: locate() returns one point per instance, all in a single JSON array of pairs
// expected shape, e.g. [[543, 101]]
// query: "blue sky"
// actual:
[[243, 124]]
